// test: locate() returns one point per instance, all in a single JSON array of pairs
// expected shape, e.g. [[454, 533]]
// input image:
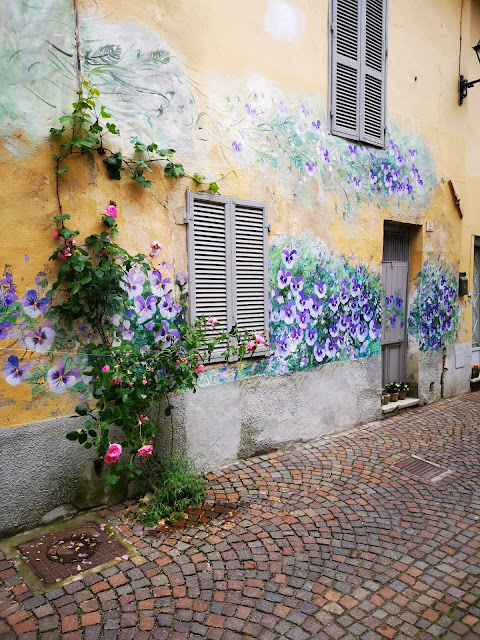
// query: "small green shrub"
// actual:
[[177, 485]]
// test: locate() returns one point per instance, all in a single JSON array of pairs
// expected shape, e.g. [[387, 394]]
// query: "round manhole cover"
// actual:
[[74, 549]]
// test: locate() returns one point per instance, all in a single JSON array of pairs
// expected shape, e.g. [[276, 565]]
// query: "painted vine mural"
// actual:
[[289, 134]]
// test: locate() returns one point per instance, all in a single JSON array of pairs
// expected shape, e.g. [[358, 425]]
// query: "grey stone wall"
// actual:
[[42, 472], [222, 423]]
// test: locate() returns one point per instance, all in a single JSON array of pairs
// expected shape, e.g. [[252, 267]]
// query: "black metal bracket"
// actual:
[[463, 86]]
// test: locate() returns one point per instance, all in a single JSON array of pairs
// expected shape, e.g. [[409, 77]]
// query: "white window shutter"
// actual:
[[345, 68], [210, 261], [250, 275], [373, 72]]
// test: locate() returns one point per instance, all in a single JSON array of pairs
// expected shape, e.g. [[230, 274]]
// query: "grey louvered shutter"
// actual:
[[345, 50], [373, 71], [210, 260], [250, 275]]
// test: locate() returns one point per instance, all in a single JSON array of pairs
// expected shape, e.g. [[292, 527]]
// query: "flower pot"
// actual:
[[385, 398], [394, 397], [402, 395]]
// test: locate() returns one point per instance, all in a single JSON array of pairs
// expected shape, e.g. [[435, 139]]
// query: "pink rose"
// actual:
[[106, 368], [144, 419], [212, 321], [130, 384], [200, 368], [113, 453], [144, 381], [259, 338], [116, 380], [251, 345], [66, 253], [72, 242], [111, 211], [55, 234], [146, 450]]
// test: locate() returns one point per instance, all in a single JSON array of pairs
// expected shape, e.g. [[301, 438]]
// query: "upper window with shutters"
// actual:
[[358, 69], [228, 263]]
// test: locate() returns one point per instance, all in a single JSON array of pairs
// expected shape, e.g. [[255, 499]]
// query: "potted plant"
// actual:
[[402, 390], [475, 370], [385, 397], [392, 389]]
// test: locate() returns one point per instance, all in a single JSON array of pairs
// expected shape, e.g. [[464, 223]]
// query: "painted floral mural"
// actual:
[[44, 356], [435, 313], [290, 135], [323, 308]]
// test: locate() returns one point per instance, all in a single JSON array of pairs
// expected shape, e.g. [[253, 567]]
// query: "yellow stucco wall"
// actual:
[[224, 48]]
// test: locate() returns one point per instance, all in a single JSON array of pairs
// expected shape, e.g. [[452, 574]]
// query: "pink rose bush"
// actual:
[[113, 454], [151, 355]]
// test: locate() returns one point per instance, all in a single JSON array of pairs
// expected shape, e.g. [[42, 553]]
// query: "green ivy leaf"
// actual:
[[114, 164], [112, 478], [103, 113], [81, 410], [56, 132], [137, 175], [198, 178], [213, 186], [60, 170], [174, 170]]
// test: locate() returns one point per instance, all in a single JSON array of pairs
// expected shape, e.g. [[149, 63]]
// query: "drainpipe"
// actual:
[[78, 50], [444, 369]]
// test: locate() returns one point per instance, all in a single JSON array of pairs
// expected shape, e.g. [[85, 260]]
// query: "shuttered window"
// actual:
[[228, 263], [358, 57]]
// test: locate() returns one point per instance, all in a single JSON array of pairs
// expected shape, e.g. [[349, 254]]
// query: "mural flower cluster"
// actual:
[[435, 312], [39, 353], [291, 136], [322, 309]]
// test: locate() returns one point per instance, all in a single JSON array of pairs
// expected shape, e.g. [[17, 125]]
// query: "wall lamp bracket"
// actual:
[[464, 85]]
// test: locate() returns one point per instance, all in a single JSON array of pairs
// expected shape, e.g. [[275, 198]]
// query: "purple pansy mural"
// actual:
[[33, 305], [41, 339], [435, 312], [59, 379], [24, 328], [15, 372]]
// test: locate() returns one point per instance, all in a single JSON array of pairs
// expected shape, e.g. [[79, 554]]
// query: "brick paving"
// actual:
[[332, 543]]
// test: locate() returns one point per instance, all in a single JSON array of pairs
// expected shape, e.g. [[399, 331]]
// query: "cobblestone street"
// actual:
[[331, 541]]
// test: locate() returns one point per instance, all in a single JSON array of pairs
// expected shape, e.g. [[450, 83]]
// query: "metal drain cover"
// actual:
[[67, 553], [76, 548], [422, 468]]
